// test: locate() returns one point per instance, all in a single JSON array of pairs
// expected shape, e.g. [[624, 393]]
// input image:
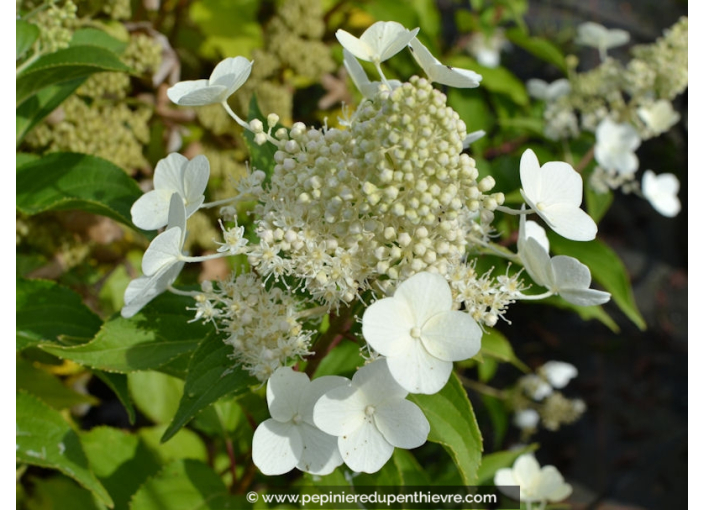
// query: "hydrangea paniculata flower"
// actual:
[[661, 191], [537, 484], [599, 37], [379, 42], [228, 76], [161, 263], [173, 174], [554, 191], [558, 373], [420, 334], [359, 77], [545, 91], [659, 117], [615, 147], [290, 439], [370, 417]]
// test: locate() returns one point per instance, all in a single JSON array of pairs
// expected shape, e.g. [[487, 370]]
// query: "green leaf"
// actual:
[[211, 375], [498, 79], [214, 18], [65, 65], [184, 485], [120, 460], [26, 35], [454, 426], [597, 203], [343, 360], [541, 48], [409, 469], [185, 444], [150, 339], [494, 461], [36, 108], [585, 312], [118, 384], [48, 387], [156, 395], [66, 180], [45, 439], [46, 311], [95, 37], [606, 268], [60, 493], [497, 346]]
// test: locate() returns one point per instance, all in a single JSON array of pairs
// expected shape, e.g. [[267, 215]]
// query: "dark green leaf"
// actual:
[[37, 107], [184, 485], [95, 37], [46, 311], [48, 387], [60, 493], [409, 468], [66, 180], [65, 65], [26, 34], [118, 384], [185, 444], [498, 79], [150, 339], [597, 203], [343, 360], [606, 268], [120, 460], [496, 345], [211, 375], [45, 439], [454, 426], [541, 48]]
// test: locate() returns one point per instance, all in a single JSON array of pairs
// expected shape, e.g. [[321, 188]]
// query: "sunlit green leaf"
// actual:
[[26, 34], [156, 395], [48, 387]]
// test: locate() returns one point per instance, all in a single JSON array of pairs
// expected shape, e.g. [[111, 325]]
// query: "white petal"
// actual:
[[169, 173], [506, 483], [386, 38], [386, 325], [417, 371], [316, 389], [141, 291], [537, 263], [559, 88], [426, 294], [283, 393], [375, 375], [437, 72], [452, 336], [530, 176], [340, 411], [472, 137], [570, 222], [231, 74], [365, 450], [559, 183], [535, 231], [276, 447], [151, 210], [163, 251], [551, 485], [195, 180], [572, 280], [359, 77], [402, 423], [177, 215], [320, 454], [196, 93], [537, 88], [526, 471], [355, 46], [526, 419], [559, 373], [661, 191]]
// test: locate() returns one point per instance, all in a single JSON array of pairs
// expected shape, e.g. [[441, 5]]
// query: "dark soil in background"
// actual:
[[629, 451]]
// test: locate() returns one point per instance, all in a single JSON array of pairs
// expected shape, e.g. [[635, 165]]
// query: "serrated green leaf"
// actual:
[[184, 485], [65, 65], [492, 462], [157, 335], [541, 48], [454, 426], [45, 439], [606, 268], [211, 375], [36, 108], [496, 345], [46, 311], [409, 469], [48, 387], [66, 180], [88, 36], [156, 395], [26, 34], [120, 460], [118, 384]]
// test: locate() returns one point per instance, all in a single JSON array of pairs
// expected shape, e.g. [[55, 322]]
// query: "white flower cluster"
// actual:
[[537, 399], [622, 105]]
